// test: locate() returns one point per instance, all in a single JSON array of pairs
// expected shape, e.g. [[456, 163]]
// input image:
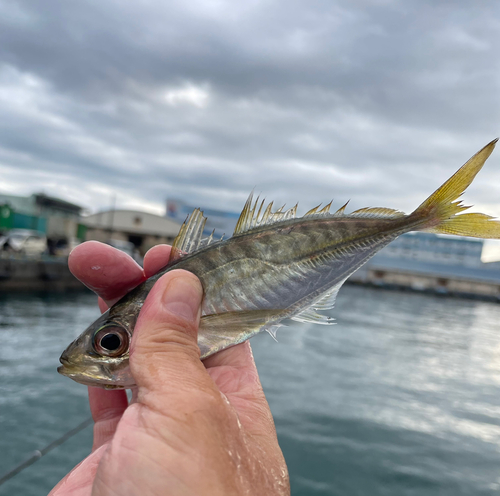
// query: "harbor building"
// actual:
[[141, 229], [419, 261], [436, 249], [58, 219], [435, 263]]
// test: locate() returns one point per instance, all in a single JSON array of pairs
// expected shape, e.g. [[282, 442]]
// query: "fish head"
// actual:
[[100, 355]]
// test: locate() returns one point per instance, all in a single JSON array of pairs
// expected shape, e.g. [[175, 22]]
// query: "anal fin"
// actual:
[[310, 316], [325, 302], [273, 330]]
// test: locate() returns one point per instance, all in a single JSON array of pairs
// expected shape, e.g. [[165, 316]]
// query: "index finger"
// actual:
[[111, 273], [105, 270]]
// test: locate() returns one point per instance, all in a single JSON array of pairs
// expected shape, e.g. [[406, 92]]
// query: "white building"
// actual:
[[436, 248], [142, 229]]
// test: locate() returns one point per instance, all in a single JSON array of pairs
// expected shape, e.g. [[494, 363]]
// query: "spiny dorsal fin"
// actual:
[[244, 216], [207, 241], [325, 210], [341, 210], [290, 213], [313, 211], [379, 212], [249, 219], [267, 213], [317, 213], [189, 237]]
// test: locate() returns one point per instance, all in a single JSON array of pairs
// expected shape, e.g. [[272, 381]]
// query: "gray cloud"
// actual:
[[374, 101]]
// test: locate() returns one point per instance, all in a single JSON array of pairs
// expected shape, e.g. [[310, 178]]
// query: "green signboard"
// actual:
[[6, 215], [81, 232], [10, 219]]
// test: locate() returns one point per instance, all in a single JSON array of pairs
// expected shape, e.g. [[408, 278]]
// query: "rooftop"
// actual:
[[43, 200], [134, 222]]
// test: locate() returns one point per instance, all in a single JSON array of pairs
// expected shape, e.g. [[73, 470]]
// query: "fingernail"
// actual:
[[182, 297]]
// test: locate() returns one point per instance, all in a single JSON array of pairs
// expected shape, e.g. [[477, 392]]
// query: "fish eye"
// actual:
[[111, 340]]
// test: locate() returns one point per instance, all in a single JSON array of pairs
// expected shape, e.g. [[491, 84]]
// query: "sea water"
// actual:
[[401, 397]]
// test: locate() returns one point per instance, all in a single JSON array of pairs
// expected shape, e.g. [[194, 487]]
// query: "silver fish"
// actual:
[[274, 267]]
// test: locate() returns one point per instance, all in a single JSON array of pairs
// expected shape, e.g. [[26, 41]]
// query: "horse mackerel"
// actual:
[[274, 267]]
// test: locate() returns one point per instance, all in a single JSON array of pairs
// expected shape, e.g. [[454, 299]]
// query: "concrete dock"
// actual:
[[467, 282], [37, 274], [481, 281]]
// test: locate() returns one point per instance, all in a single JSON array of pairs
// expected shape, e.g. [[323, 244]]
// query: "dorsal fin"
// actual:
[[341, 210], [379, 212], [313, 211], [189, 237], [326, 209], [290, 213], [207, 241], [244, 216], [249, 219], [267, 213]]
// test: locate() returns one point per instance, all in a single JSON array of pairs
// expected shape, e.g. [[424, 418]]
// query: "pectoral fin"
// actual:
[[220, 331]]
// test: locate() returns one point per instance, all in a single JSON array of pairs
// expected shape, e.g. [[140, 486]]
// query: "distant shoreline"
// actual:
[[52, 275]]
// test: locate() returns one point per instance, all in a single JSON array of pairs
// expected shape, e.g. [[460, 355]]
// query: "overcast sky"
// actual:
[[375, 101]]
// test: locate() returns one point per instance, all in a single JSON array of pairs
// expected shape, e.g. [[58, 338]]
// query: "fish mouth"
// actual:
[[90, 375], [66, 367], [61, 369], [69, 371], [86, 379]]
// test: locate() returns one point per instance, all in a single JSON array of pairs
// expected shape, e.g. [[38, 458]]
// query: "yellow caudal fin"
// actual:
[[439, 212]]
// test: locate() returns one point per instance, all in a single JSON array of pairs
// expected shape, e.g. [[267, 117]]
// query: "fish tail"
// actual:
[[438, 213]]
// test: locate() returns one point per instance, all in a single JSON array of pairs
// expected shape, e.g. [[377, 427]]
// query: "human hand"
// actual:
[[193, 428]]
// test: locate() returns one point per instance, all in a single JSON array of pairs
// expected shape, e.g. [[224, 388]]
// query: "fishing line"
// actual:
[[37, 454]]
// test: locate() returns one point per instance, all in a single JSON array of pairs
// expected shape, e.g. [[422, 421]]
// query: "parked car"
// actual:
[[62, 247], [24, 241]]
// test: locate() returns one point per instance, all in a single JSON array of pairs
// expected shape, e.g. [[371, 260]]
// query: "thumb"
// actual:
[[165, 357]]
